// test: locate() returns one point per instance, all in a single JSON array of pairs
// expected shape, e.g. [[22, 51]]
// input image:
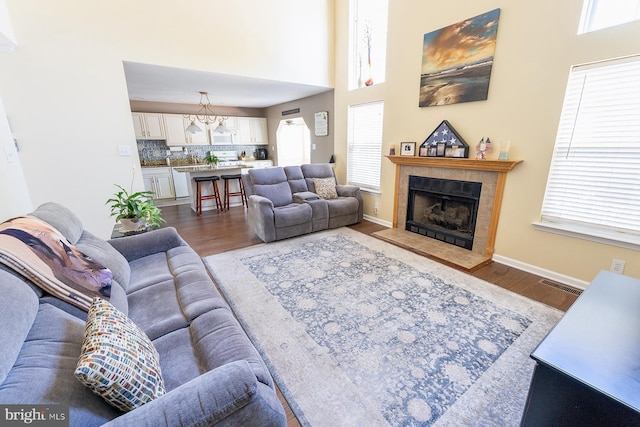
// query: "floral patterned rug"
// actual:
[[357, 331]]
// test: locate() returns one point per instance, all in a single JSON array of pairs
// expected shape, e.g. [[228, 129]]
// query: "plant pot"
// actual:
[[132, 224]]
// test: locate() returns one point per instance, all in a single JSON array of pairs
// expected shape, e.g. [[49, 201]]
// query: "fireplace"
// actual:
[[443, 209]]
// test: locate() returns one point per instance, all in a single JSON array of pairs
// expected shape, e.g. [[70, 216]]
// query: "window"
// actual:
[[364, 145], [593, 189], [368, 41], [599, 14]]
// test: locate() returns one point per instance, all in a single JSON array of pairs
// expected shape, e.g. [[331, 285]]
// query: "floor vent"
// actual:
[[561, 286]]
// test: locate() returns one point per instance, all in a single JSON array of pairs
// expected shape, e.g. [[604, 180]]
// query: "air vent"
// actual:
[[561, 286]]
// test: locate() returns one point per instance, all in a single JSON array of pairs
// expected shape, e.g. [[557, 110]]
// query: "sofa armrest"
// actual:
[[347, 190], [227, 395], [304, 196], [352, 191], [151, 242], [261, 218]]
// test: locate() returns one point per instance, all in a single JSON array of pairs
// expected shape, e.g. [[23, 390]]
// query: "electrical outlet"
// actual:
[[617, 266], [375, 209]]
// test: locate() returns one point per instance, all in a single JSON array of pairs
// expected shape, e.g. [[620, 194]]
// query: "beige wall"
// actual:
[[64, 85], [537, 44]]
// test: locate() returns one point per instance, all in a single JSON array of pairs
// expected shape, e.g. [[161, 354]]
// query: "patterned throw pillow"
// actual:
[[325, 188], [118, 361]]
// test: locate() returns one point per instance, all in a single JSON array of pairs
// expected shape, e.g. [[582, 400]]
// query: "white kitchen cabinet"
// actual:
[[177, 133], [149, 125], [159, 181], [231, 123], [252, 130]]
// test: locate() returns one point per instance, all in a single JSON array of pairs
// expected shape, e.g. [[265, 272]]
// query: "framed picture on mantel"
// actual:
[[407, 148]]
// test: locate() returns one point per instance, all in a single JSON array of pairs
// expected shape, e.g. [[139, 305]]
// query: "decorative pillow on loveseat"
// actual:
[[325, 188], [118, 361]]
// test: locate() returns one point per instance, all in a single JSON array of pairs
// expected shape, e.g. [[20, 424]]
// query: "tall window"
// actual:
[[368, 42], [593, 187], [364, 145], [599, 14]]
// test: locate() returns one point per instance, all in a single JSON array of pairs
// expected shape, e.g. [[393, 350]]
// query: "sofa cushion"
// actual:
[[316, 170], [293, 214], [62, 219], [118, 361], [43, 372], [296, 179], [18, 309], [325, 188], [279, 194]]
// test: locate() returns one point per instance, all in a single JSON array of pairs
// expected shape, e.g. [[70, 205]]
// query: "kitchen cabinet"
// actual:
[[149, 125], [252, 130], [176, 125], [159, 181]]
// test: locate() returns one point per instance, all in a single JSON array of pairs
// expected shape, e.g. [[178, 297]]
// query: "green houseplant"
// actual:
[[212, 159], [134, 210]]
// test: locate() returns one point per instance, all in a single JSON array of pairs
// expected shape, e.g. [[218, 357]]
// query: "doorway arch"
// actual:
[[293, 141]]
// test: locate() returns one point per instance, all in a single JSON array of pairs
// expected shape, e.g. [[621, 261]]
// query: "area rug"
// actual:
[[356, 331]]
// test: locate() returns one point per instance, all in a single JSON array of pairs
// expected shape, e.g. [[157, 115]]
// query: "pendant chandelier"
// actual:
[[206, 116]]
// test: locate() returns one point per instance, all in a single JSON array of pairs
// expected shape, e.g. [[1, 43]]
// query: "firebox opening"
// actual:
[[443, 209]]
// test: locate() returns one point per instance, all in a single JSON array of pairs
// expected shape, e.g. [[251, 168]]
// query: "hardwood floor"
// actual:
[[216, 232]]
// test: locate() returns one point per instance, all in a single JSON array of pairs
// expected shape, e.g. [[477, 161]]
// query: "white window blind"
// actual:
[[364, 140], [594, 180]]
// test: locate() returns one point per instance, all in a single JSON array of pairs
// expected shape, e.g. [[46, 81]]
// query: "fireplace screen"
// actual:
[[443, 209]]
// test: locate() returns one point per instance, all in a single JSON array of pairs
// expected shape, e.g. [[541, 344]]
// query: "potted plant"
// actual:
[[135, 211], [212, 159]]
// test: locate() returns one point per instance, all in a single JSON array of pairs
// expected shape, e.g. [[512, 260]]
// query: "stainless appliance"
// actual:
[[261, 154]]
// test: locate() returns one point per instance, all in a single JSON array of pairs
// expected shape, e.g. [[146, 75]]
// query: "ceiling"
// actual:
[[154, 83]]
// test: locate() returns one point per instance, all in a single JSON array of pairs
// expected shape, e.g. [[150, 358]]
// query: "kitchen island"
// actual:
[[197, 171]]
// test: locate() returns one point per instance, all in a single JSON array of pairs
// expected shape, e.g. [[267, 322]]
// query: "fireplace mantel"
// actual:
[[453, 163], [491, 172]]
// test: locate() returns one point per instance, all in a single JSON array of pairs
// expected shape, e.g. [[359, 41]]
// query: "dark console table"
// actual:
[[588, 366]]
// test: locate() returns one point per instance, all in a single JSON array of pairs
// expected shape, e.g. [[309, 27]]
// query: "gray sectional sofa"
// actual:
[[212, 373], [284, 202]]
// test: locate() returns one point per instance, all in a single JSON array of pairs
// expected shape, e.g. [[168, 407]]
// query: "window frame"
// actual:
[[356, 49], [587, 153], [589, 16]]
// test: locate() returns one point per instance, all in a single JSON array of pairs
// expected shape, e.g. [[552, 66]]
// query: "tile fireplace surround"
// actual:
[[491, 173]]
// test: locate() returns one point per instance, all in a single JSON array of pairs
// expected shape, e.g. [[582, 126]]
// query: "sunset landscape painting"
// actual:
[[457, 61]]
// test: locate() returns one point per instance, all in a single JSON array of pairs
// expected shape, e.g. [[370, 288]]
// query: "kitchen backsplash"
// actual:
[[154, 153]]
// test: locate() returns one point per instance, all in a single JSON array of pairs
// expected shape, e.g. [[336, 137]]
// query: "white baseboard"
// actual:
[[538, 271], [378, 221]]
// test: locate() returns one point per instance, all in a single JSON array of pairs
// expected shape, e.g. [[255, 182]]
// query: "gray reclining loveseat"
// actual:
[[288, 201]]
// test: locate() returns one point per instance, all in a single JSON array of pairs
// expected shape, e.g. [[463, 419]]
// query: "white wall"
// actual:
[[64, 86], [536, 46], [13, 187]]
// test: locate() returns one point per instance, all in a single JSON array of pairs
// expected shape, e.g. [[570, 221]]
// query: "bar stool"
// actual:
[[240, 193], [215, 195]]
